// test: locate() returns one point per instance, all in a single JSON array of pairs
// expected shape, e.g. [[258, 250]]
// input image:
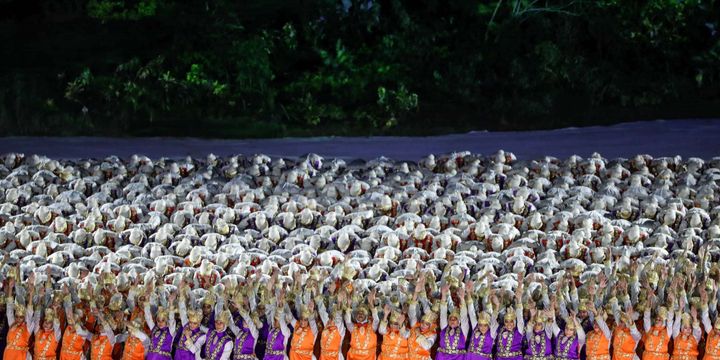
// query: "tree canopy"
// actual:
[[225, 68]]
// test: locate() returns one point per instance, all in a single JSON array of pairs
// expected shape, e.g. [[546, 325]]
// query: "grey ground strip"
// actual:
[[686, 138]]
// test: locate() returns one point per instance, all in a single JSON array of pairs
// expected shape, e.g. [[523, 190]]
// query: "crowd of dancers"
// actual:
[[454, 257]]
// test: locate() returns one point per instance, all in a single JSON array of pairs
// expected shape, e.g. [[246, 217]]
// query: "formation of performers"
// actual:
[[311, 314], [454, 257]]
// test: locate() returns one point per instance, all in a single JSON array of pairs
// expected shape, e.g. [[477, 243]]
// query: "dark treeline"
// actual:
[[229, 68]]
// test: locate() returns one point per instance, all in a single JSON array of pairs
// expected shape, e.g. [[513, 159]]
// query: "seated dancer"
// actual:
[[304, 332], [219, 342], [657, 335], [333, 332], [75, 336], [103, 339], [137, 342], [510, 339], [279, 332], [363, 336], [453, 327], [625, 337], [570, 341], [485, 328], [163, 332], [18, 338], [245, 333], [395, 336], [422, 333], [539, 336], [192, 336], [686, 335], [712, 340], [47, 336], [598, 340]]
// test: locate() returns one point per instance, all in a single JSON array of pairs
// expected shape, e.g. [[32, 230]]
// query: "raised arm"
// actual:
[[148, 316]]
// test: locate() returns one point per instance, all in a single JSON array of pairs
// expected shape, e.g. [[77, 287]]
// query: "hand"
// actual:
[[371, 297], [386, 310], [693, 312], [445, 289]]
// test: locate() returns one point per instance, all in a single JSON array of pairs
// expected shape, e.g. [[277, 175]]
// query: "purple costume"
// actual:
[[161, 343], [215, 344], [244, 346], [539, 346], [275, 348], [567, 347], [509, 345], [452, 344], [182, 353], [481, 346]]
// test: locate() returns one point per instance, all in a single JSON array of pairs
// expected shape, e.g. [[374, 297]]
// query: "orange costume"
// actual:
[[597, 346], [394, 346], [46, 345], [303, 343], [101, 348], [134, 349], [685, 348], [363, 342], [623, 344], [415, 349], [72, 345], [712, 346], [330, 343], [18, 340], [656, 344]]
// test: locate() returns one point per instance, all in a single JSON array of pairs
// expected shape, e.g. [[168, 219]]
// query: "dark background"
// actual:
[[274, 68]]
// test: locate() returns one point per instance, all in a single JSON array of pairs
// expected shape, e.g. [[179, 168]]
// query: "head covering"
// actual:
[[455, 313], [510, 314], [570, 324], [306, 313], [686, 320], [429, 317], [194, 316], [162, 313], [662, 313], [484, 318], [224, 317]]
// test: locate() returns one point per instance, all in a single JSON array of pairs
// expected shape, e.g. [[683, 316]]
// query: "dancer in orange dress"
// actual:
[[47, 337], [18, 338], [363, 336]]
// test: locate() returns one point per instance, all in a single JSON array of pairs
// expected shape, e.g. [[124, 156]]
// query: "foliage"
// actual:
[[351, 67]]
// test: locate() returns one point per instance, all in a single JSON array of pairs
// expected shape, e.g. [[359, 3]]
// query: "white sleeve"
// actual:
[[412, 313], [250, 325], [520, 317], [646, 320], [472, 314], [697, 332], [313, 326], [443, 316], [426, 342], [706, 321], [581, 336], [604, 328], [669, 324], [464, 324], [494, 325], [635, 333], [172, 326], [676, 327], [10, 312], [183, 312], [375, 318], [348, 321], [382, 329], [323, 313], [56, 329], [227, 351], [148, 317]]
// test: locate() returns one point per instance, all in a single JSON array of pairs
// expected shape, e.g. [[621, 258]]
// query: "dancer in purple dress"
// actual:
[[454, 327]]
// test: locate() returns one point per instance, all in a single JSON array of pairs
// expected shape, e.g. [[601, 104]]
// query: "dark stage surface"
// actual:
[[687, 138]]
